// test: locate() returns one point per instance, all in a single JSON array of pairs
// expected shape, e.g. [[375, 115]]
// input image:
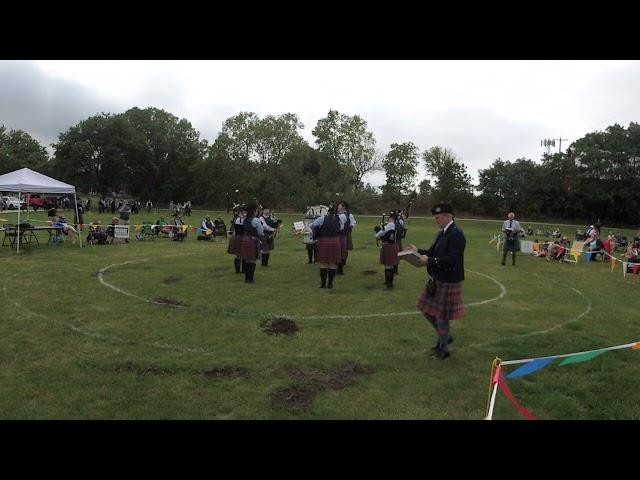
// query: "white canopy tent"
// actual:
[[27, 180]]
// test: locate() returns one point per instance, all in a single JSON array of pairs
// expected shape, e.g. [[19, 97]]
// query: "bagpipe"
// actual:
[[383, 222]]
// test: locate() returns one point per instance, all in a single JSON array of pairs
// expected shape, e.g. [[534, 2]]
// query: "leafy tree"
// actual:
[[400, 168], [19, 150], [345, 139], [452, 182], [166, 152], [93, 153]]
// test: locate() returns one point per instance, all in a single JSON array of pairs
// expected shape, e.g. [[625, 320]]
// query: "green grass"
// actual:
[[72, 348]]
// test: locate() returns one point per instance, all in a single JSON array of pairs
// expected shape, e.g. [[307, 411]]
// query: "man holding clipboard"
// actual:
[[511, 229], [441, 300]]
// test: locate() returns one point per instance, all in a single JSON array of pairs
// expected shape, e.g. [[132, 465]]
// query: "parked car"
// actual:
[[13, 203], [36, 202]]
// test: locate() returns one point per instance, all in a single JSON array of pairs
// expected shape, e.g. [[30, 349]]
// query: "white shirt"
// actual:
[[514, 225], [447, 226]]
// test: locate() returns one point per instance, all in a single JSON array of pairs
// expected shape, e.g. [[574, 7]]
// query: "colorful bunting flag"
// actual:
[[531, 367], [585, 357], [502, 383]]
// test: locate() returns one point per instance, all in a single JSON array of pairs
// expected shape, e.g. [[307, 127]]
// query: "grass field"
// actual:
[[81, 336]]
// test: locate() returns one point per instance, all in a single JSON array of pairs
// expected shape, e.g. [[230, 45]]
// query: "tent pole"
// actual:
[[18, 225], [75, 200]]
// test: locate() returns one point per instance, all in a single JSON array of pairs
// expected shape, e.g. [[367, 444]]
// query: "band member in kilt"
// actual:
[[511, 229], [326, 230], [441, 300], [390, 236], [236, 238], [401, 235], [269, 227], [252, 234], [347, 221]]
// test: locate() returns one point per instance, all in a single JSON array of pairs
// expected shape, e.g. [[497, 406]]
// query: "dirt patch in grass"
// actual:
[[279, 326], [227, 372], [344, 376], [143, 370], [168, 302], [296, 397], [171, 279], [369, 272], [307, 384]]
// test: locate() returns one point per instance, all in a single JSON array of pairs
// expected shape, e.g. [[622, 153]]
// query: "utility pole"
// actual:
[[551, 142]]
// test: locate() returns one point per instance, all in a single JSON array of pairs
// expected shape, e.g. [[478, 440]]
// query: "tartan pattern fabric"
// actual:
[[446, 304], [344, 253], [329, 250], [268, 245], [513, 246], [249, 248], [234, 245], [389, 254]]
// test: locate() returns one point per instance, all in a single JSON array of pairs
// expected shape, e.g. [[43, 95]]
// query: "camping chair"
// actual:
[[573, 255], [148, 232], [9, 234], [560, 256]]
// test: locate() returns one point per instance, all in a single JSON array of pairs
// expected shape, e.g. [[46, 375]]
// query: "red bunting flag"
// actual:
[[509, 394]]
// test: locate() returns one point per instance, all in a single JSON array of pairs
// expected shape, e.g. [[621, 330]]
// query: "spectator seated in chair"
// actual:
[[632, 255], [66, 227], [179, 231], [111, 230], [96, 235], [206, 229], [163, 227]]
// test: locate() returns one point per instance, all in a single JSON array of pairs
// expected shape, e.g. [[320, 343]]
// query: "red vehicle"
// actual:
[[36, 202]]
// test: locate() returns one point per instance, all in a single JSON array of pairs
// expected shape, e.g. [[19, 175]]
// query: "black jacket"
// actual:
[[446, 255]]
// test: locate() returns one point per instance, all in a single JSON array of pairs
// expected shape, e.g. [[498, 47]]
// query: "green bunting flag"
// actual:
[[585, 357]]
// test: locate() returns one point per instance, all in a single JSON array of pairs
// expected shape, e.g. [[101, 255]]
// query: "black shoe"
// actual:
[[436, 347], [330, 285], [440, 355], [502, 263], [322, 286], [389, 285]]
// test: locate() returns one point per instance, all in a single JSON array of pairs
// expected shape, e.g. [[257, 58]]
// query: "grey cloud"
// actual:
[[42, 106]]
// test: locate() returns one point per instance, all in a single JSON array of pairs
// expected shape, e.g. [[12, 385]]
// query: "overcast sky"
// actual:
[[482, 110]]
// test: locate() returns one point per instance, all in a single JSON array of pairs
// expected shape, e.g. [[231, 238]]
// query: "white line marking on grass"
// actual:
[[542, 332], [503, 292], [124, 292]]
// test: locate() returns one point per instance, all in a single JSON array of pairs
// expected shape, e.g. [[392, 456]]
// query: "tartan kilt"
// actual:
[[249, 248], [389, 254], [268, 244], [234, 245], [329, 250], [349, 242], [446, 304], [511, 246], [344, 253]]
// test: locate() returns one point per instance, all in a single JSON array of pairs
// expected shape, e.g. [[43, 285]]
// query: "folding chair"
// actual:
[[573, 255], [10, 234]]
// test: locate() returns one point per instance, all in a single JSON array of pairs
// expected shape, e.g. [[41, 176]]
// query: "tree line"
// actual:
[[150, 153]]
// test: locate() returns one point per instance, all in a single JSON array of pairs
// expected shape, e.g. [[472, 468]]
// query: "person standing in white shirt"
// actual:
[[511, 229]]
